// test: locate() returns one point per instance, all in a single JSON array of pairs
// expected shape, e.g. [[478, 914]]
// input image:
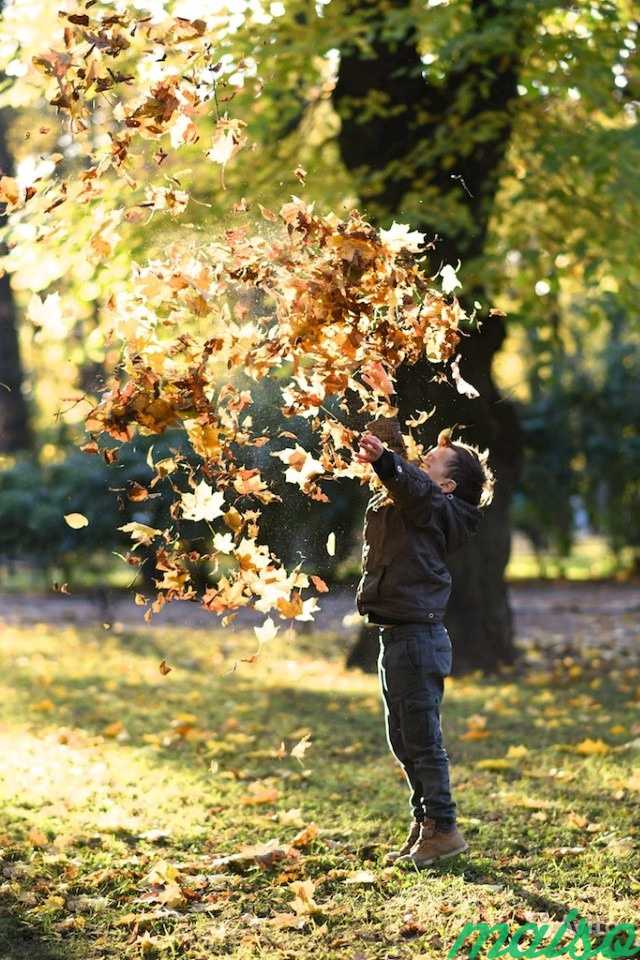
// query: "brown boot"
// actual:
[[436, 845], [412, 838]]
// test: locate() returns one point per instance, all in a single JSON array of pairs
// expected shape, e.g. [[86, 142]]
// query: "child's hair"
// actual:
[[470, 469]]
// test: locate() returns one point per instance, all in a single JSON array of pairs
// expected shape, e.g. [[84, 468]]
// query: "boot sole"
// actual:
[[441, 856]]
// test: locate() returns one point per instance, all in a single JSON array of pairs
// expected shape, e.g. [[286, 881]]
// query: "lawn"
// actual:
[[238, 808]]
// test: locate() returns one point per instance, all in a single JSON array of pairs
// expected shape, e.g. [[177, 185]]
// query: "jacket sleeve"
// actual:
[[411, 488]]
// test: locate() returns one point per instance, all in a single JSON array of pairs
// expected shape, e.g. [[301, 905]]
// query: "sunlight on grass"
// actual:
[[590, 558], [146, 814]]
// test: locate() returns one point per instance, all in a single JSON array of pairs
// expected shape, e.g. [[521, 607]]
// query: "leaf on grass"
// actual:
[[493, 763], [37, 838], [113, 729], [591, 748], [164, 668], [563, 851], [260, 793], [287, 921], [361, 877], [303, 902], [264, 854], [86, 904], [305, 836], [633, 783]]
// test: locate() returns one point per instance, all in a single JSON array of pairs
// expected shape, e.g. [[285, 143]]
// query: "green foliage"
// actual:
[[582, 436], [34, 498]]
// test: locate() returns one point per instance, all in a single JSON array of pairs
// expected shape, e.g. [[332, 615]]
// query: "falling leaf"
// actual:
[[399, 237], [319, 584], [140, 532], [164, 668], [301, 748], [227, 140], [331, 544], [11, 192], [266, 632], [449, 278], [48, 315], [377, 378], [136, 492], [462, 386], [300, 174], [223, 543], [76, 520], [204, 504], [302, 468], [422, 417]]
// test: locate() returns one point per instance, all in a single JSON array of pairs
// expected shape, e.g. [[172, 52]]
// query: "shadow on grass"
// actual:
[[22, 940]]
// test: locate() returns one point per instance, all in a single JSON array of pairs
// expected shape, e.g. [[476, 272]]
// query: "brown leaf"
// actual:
[[136, 492]]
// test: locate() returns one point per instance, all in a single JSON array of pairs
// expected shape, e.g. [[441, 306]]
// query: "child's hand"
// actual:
[[371, 448]]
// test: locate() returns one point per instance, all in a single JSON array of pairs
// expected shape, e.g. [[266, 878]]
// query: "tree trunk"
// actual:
[[14, 420], [389, 156]]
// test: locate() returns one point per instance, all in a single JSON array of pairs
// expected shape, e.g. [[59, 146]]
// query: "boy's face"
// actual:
[[437, 463]]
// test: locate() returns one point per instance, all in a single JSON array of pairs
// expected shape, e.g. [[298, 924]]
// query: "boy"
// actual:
[[428, 510]]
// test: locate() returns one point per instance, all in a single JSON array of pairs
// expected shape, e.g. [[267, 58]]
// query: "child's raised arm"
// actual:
[[411, 488]]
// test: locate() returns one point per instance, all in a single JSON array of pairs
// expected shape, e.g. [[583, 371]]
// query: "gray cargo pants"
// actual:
[[412, 664]]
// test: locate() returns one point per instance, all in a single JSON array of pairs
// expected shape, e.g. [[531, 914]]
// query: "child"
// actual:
[[427, 510]]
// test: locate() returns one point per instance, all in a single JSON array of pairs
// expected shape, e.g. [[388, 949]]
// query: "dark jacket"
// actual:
[[404, 574]]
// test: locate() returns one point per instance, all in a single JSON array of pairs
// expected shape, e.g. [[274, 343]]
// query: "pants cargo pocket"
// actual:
[[431, 651], [420, 721]]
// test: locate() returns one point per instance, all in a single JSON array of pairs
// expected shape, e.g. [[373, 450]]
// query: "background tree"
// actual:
[[506, 130], [15, 433]]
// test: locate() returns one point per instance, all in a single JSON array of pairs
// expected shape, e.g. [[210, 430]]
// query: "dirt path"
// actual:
[[553, 613]]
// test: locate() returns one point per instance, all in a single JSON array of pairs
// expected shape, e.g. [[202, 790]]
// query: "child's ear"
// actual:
[[449, 486]]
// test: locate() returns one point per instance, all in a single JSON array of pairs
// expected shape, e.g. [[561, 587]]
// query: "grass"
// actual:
[[590, 558], [122, 791]]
